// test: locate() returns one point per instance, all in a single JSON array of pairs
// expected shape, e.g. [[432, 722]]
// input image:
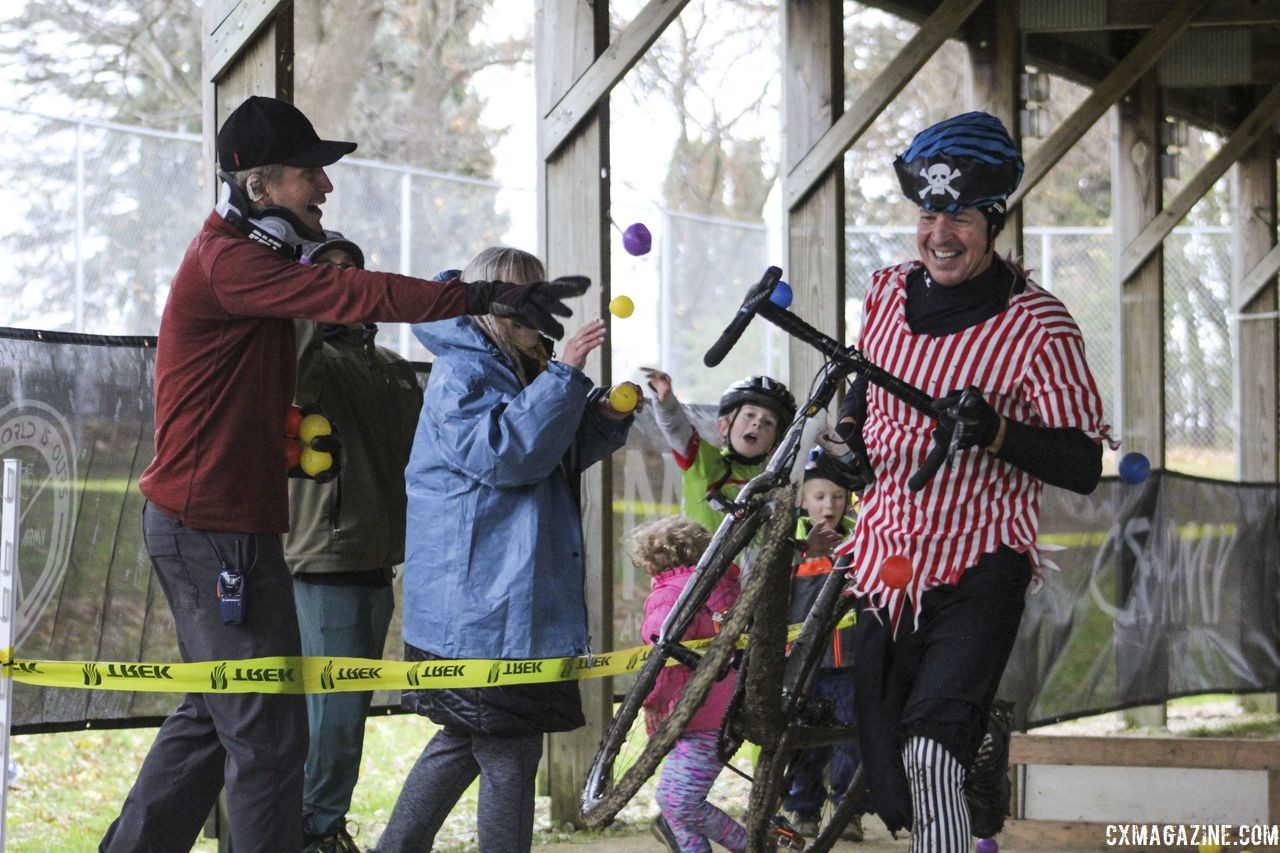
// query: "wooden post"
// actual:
[[247, 49], [573, 219], [813, 96], [10, 540], [1255, 330], [995, 76], [1136, 198]]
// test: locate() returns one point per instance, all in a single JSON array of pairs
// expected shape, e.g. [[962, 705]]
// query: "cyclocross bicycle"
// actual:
[[765, 506]]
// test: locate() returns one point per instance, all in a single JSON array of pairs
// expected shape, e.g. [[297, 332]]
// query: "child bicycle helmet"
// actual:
[[760, 391], [967, 160]]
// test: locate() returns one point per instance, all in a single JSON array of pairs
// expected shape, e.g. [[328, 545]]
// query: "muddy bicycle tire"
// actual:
[[603, 796]]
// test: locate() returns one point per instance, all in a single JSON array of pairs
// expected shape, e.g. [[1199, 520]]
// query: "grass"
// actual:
[[72, 784]]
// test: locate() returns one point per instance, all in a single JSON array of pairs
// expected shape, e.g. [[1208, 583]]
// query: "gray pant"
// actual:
[[252, 743], [506, 765], [337, 621]]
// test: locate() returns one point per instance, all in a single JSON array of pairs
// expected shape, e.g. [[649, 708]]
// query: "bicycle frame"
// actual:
[[777, 472]]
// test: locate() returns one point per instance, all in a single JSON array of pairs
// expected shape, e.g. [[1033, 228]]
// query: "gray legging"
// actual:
[[507, 766]]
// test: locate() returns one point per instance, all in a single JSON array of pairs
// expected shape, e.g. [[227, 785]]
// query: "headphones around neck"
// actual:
[[277, 228]]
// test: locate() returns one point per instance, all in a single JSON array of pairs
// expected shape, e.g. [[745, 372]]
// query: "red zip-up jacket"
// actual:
[[226, 366]]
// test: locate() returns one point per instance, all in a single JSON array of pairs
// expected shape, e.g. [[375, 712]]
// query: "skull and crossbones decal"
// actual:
[[939, 177]]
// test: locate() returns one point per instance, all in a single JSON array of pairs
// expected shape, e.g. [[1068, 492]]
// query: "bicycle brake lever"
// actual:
[[681, 654], [717, 501]]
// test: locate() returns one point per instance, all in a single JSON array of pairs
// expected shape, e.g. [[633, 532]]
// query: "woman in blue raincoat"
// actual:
[[494, 553]]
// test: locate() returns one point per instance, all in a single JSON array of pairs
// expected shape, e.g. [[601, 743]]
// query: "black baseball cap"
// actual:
[[262, 131]]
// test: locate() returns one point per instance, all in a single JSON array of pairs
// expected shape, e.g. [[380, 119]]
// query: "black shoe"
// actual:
[[337, 842], [986, 785], [662, 831], [853, 830]]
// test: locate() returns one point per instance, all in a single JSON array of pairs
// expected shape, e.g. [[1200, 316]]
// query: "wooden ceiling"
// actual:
[[1210, 75]]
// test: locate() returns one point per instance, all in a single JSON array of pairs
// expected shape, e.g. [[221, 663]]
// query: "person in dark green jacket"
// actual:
[[347, 534]]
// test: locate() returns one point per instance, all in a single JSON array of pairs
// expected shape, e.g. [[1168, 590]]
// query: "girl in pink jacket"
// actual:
[[669, 550]]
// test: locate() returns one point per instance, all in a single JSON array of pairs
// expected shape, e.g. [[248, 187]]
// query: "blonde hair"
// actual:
[[515, 266], [667, 543]]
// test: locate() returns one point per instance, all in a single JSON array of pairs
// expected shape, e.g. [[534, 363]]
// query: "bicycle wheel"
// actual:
[[620, 767], [808, 724]]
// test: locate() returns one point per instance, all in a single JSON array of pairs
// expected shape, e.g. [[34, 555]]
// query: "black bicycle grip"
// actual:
[[757, 295], [801, 330], [932, 462]]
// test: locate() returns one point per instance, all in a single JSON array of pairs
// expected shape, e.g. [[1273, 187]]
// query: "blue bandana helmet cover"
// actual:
[[964, 161]]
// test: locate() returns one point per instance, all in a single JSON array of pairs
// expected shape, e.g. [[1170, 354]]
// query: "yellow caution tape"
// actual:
[[330, 674]]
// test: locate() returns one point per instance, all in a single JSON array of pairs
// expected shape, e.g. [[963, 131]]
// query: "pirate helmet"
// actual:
[[967, 160], [760, 391]]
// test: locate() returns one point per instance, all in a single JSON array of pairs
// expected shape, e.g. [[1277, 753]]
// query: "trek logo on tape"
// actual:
[[218, 679], [93, 674], [516, 667], [572, 665], [420, 671], [638, 657], [138, 670], [329, 678]]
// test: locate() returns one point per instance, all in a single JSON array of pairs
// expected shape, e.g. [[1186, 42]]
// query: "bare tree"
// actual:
[[697, 67]]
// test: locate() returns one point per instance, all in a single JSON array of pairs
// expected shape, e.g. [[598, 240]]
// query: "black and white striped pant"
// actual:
[[941, 815]]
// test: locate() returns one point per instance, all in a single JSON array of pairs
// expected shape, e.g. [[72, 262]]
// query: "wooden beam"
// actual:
[[994, 83], [573, 233], [1141, 14], [813, 96], [1121, 79], [1115, 14], [234, 32], [1258, 122], [1257, 335], [828, 152], [1256, 281], [607, 71], [1136, 197], [1202, 753]]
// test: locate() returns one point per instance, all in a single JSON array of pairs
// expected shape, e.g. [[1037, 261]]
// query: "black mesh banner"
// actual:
[[1166, 588]]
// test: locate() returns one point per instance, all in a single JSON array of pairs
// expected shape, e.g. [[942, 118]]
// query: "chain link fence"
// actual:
[[96, 217]]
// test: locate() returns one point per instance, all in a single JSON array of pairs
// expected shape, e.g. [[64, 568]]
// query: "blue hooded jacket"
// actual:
[[493, 548]]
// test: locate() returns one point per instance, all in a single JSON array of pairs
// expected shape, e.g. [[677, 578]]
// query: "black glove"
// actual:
[[531, 303], [968, 417], [332, 445], [309, 465], [857, 470]]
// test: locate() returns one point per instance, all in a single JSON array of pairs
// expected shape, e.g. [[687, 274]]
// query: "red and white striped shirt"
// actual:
[[1029, 363]]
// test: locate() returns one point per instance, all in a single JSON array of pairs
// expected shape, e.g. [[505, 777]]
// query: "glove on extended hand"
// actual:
[[859, 470], [534, 304], [978, 423]]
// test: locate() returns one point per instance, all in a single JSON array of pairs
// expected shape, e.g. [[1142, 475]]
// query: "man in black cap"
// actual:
[[217, 494]]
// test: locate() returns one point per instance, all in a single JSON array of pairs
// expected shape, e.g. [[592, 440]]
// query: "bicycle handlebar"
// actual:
[[850, 358], [755, 298]]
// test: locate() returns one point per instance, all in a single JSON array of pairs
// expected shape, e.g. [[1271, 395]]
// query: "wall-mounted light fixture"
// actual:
[[1174, 135], [1034, 91], [1035, 86]]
